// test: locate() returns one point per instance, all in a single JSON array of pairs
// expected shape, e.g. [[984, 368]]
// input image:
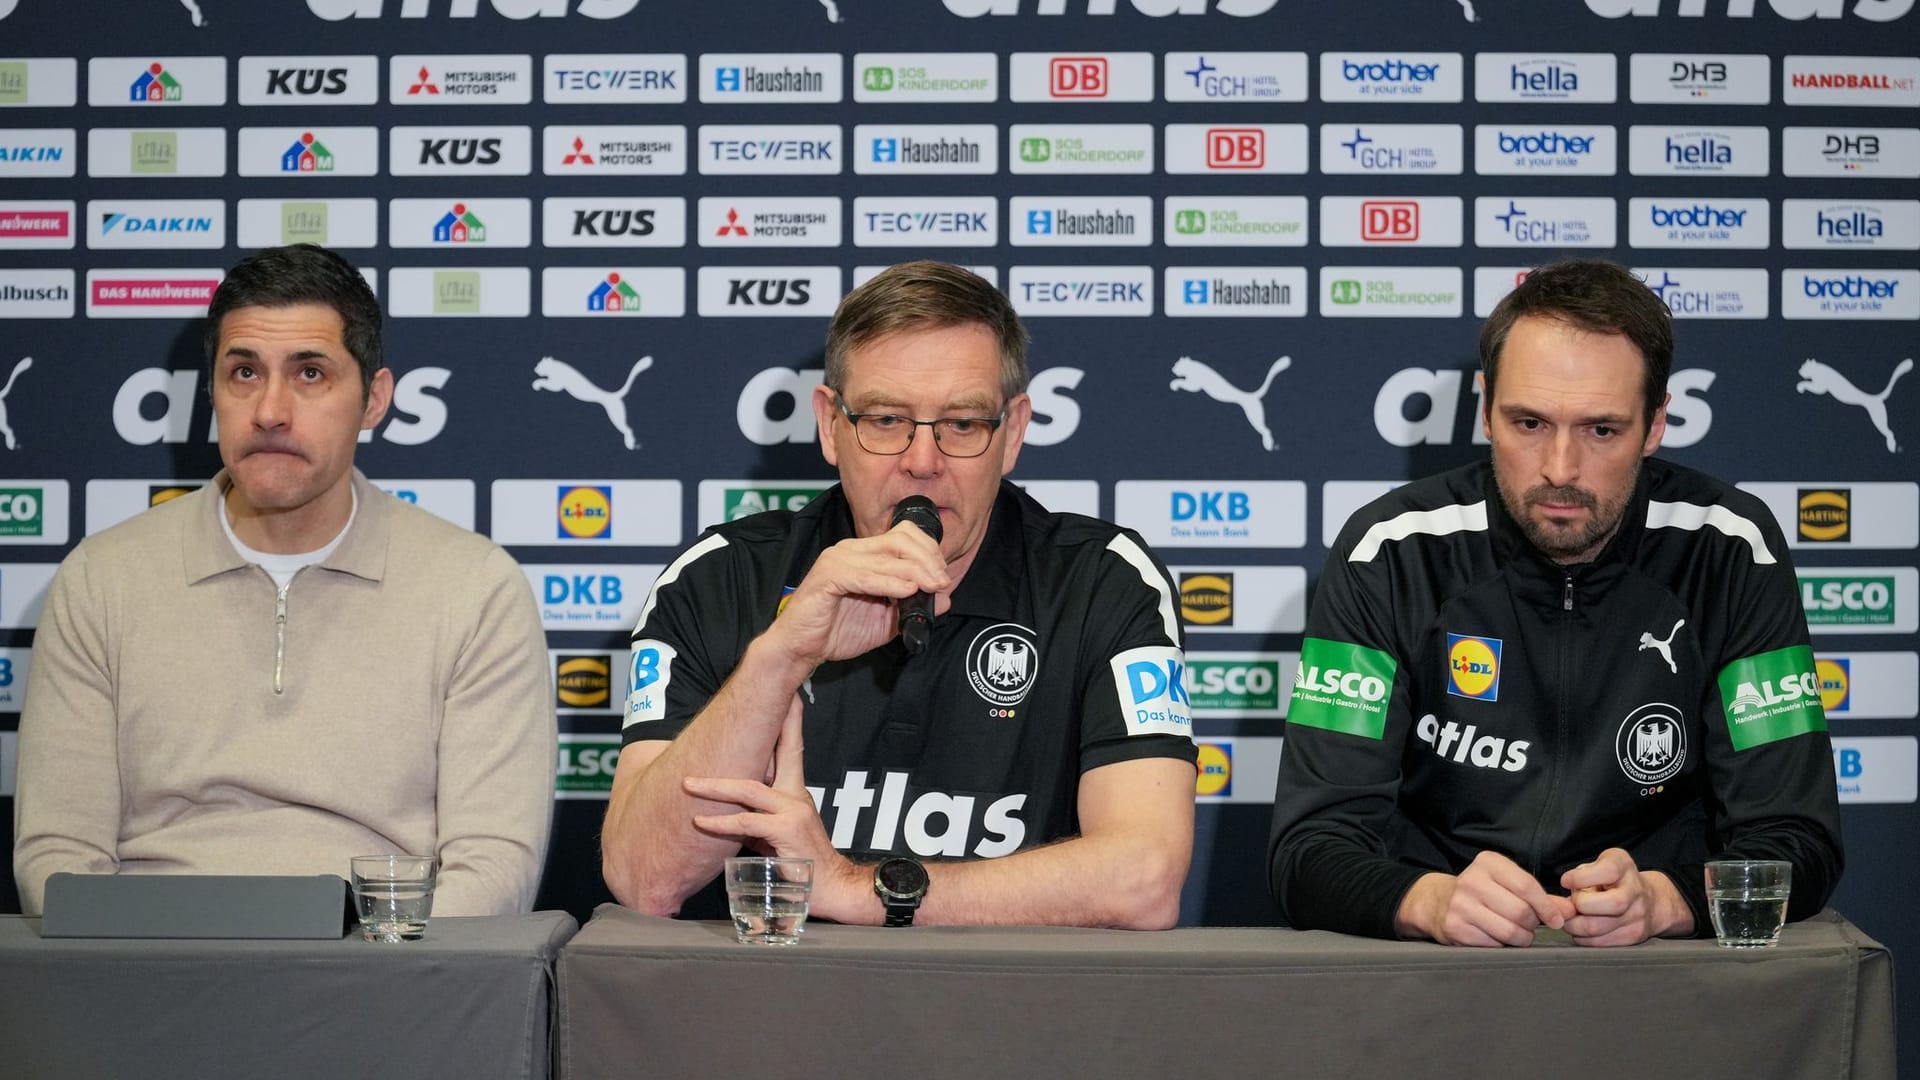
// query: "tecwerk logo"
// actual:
[[1700, 79], [309, 80], [1834, 223], [1424, 78], [1199, 149], [1529, 77], [969, 221], [1686, 151], [625, 150], [1081, 290], [771, 149], [453, 151], [309, 152], [1432, 149], [1352, 221], [1079, 77], [1892, 153], [156, 223], [658, 292], [614, 222], [460, 80], [1695, 223], [615, 78], [1515, 221]]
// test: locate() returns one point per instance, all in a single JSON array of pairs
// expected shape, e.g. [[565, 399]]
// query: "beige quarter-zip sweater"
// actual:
[[184, 716]]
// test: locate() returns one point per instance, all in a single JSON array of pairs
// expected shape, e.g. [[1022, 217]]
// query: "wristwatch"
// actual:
[[901, 883]]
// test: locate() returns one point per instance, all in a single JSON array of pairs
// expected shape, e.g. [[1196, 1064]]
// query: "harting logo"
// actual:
[[1207, 599], [583, 681], [1825, 515], [162, 493]]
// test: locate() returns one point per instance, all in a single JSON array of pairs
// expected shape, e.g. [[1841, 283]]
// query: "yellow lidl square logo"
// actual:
[[1835, 676], [1473, 667], [1216, 770], [586, 513]]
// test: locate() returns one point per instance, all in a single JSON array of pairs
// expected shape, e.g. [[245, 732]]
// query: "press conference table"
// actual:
[[647, 997], [472, 999]]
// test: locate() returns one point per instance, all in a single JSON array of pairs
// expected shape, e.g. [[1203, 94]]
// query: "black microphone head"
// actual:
[[920, 510]]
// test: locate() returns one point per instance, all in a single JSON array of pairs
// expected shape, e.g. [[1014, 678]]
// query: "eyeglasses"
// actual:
[[957, 436]]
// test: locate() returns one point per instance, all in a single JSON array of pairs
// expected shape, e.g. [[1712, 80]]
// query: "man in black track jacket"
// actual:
[[1545, 689]]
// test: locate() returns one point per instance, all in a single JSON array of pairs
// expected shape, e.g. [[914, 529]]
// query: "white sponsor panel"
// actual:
[[1892, 81], [771, 149], [38, 152], [594, 596], [721, 501], [33, 511], [156, 82], [1429, 149], [39, 82], [1071, 77], [1065, 496], [1387, 292], [1515, 221], [586, 513], [448, 500], [36, 294], [309, 80], [1263, 600], [1556, 78], [1850, 224], [1700, 79], [1698, 222], [491, 150], [23, 590], [864, 274], [14, 665], [1249, 221], [1868, 685], [1860, 599], [1417, 77], [334, 223], [1367, 221], [921, 78], [930, 221], [110, 502], [614, 222], [497, 79], [146, 153], [1868, 515], [926, 149], [768, 291], [1834, 293], [615, 78], [1693, 292], [1080, 221], [1523, 149], [1696, 151], [463, 292], [459, 224], [653, 292], [1236, 291], [1340, 499], [788, 222], [1875, 769], [309, 151], [168, 293], [613, 150], [1491, 284], [1081, 290], [770, 78], [43, 225], [156, 223], [1227, 149], [619, 675], [1080, 148], [1214, 513], [1262, 77], [1854, 153], [1240, 768]]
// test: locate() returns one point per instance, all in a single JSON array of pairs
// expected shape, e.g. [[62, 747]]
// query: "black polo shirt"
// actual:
[[1061, 653]]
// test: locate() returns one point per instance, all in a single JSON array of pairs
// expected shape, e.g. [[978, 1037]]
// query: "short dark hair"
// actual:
[[303, 274], [1595, 296], [926, 295]]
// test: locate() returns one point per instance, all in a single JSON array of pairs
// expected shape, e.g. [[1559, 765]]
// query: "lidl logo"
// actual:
[[879, 80], [20, 511], [1825, 514], [614, 295], [1835, 676], [1206, 599], [307, 154], [459, 226], [583, 680], [586, 513], [159, 493], [154, 84], [1473, 667], [1216, 770]]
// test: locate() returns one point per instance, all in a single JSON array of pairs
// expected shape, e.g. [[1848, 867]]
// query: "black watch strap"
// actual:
[[901, 914]]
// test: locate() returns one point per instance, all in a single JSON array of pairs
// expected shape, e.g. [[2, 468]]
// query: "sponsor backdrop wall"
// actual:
[[1252, 238]]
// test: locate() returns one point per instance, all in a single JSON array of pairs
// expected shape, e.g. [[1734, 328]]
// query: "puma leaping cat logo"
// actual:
[[1665, 648], [1818, 378], [1191, 374], [6, 432], [561, 376]]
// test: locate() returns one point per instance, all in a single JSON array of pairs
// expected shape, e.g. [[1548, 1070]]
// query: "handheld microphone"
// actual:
[[916, 611]]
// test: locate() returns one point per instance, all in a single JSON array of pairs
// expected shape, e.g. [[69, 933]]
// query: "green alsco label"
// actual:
[[1343, 687], [1771, 696]]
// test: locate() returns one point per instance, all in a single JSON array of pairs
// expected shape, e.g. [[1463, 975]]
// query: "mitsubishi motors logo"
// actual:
[[732, 227], [423, 84], [579, 155]]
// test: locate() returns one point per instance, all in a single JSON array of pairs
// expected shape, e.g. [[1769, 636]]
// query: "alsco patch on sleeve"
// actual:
[[1772, 696], [1342, 687]]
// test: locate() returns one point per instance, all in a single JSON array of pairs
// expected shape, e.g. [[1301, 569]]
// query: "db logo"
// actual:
[[1236, 148], [1077, 76], [1389, 221]]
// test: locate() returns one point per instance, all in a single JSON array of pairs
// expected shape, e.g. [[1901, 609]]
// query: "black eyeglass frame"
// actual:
[[993, 427]]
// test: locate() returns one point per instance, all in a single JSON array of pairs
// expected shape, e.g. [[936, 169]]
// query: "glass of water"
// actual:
[[1748, 901], [395, 893], [768, 898]]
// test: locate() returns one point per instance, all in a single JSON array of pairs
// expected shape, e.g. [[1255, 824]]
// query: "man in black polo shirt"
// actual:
[[1040, 748]]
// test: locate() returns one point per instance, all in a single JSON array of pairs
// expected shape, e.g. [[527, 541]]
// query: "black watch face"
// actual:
[[902, 877]]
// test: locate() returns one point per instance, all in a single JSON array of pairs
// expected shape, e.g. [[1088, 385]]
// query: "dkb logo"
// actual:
[[1211, 506]]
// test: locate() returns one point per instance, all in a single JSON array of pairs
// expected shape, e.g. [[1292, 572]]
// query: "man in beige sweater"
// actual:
[[289, 667]]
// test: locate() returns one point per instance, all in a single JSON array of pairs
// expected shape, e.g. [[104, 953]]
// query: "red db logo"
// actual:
[[1077, 76], [1389, 220], [1236, 148]]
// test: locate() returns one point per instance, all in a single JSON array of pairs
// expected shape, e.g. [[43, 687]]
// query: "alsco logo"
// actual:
[[1824, 514], [20, 511], [1342, 687], [1473, 667], [1847, 601], [586, 513]]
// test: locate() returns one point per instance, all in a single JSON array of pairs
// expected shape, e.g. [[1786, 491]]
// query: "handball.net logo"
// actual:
[[585, 513]]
